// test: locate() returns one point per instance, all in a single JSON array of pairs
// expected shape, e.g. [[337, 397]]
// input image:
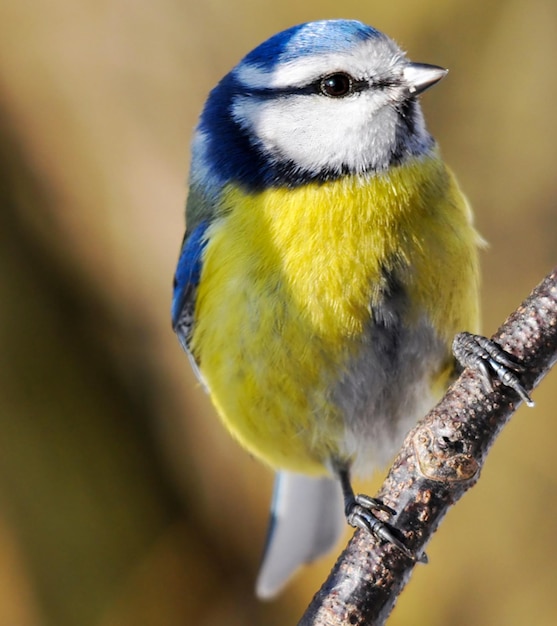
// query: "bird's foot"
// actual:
[[361, 513], [489, 359]]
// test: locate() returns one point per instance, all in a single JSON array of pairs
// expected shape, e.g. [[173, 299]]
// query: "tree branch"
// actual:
[[440, 459]]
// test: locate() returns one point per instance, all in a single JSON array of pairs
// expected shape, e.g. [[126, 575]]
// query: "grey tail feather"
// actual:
[[307, 519]]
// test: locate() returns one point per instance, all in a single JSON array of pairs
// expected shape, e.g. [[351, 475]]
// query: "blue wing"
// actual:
[[186, 280]]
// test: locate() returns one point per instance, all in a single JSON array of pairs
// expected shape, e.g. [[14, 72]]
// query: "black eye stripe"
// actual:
[[317, 87]]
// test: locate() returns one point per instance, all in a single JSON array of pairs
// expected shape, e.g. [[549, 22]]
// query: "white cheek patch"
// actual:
[[317, 132]]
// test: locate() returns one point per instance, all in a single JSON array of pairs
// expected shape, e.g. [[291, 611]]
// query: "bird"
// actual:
[[328, 262]]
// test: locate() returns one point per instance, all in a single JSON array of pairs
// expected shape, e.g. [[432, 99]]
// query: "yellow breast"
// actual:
[[290, 277]]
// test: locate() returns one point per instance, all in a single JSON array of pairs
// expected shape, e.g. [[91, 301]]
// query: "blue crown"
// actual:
[[307, 39]]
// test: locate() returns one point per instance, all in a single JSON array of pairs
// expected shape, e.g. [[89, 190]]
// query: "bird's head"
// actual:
[[313, 103]]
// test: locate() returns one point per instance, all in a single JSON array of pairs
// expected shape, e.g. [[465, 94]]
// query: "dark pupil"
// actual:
[[336, 85]]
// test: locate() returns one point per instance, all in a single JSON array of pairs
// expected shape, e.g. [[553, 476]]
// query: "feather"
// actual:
[[307, 520]]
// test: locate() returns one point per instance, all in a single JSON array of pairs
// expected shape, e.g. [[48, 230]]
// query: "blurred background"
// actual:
[[122, 500]]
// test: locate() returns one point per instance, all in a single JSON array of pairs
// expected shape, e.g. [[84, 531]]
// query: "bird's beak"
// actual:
[[420, 76]]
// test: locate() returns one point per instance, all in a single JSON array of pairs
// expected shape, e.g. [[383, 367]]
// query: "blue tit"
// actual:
[[328, 262]]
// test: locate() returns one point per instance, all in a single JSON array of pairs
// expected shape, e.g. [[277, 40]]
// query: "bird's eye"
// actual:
[[336, 85]]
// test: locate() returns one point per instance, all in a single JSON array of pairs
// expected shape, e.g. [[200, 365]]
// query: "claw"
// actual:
[[373, 504], [509, 379], [361, 513], [483, 354], [362, 516]]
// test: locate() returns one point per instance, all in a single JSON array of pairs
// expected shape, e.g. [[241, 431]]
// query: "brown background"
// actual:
[[122, 500]]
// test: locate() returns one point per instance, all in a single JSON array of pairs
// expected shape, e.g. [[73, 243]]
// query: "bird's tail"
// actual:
[[307, 519]]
